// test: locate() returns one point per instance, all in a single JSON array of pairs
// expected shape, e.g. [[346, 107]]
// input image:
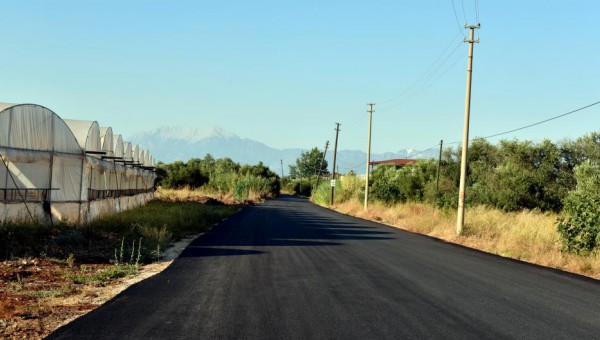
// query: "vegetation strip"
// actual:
[[534, 201], [528, 236], [65, 271]]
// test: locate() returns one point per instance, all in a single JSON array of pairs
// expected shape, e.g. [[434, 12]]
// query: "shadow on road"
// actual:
[[287, 221], [195, 251]]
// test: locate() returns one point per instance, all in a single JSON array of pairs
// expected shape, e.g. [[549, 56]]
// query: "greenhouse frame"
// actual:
[[55, 169]]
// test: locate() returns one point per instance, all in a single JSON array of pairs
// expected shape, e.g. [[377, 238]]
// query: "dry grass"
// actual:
[[204, 196], [38, 295], [529, 236]]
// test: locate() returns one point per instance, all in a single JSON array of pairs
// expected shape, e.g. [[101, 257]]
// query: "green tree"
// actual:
[[309, 164], [529, 176], [580, 228], [226, 165], [393, 184]]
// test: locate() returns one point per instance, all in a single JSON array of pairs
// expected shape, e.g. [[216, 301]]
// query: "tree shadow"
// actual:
[[195, 251], [283, 222]]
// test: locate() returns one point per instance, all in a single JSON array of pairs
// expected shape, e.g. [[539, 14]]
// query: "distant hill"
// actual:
[[169, 144]]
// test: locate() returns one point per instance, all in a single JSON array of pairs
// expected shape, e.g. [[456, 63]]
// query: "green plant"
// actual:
[[70, 261], [104, 276], [69, 237], [580, 227], [222, 176], [321, 194], [120, 268], [119, 257], [158, 223]]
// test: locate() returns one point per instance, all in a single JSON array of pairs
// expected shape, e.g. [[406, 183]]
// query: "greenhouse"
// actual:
[[57, 169]]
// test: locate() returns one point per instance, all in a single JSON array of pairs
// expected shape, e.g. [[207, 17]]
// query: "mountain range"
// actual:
[[168, 144]]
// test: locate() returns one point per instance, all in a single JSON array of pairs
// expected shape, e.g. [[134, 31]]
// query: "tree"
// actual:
[[226, 165], [579, 228], [309, 164]]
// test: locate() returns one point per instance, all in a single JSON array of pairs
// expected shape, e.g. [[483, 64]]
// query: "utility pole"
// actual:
[[368, 156], [337, 131], [281, 169], [321, 166], [460, 218], [437, 181], [301, 173]]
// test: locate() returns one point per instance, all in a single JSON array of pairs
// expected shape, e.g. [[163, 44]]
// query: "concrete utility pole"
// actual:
[[368, 156], [301, 173], [321, 166], [460, 218], [281, 169], [337, 131], [437, 181]]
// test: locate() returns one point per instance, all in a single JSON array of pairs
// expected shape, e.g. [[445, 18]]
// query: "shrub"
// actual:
[[321, 194], [346, 188], [221, 176], [580, 227], [303, 188]]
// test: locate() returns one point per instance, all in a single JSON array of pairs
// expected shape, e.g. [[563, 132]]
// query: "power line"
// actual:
[[424, 82], [477, 10], [460, 28], [533, 124], [422, 152], [354, 166], [430, 70], [542, 122], [359, 116], [462, 3], [435, 67], [459, 58]]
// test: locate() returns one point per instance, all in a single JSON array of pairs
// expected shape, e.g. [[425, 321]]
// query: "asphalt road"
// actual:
[[288, 269]]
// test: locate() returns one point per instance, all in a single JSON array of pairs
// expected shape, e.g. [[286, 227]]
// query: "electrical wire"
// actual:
[[425, 82], [460, 28], [441, 75], [422, 152], [531, 125], [422, 76], [477, 10], [356, 120], [462, 3], [354, 166], [541, 122]]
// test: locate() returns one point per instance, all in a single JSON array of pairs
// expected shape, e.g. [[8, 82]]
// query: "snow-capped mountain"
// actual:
[[169, 144], [190, 134]]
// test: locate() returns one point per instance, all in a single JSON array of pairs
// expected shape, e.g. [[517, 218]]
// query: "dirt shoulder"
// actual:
[[528, 236], [38, 295]]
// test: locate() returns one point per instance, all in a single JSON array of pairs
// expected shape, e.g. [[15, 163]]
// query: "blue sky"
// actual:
[[284, 72]]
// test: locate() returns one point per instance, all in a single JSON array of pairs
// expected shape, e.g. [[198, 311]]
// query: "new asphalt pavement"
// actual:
[[288, 269]]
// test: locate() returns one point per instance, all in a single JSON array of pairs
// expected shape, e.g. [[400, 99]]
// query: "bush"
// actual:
[[159, 223], [580, 228], [303, 188], [321, 195], [346, 188], [392, 184], [222, 176]]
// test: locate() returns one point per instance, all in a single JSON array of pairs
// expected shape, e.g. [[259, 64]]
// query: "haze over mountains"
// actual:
[[169, 144]]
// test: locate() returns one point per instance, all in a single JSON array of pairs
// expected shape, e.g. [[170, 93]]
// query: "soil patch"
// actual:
[[39, 295]]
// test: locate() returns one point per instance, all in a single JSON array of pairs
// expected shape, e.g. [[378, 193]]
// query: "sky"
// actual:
[[284, 72]]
